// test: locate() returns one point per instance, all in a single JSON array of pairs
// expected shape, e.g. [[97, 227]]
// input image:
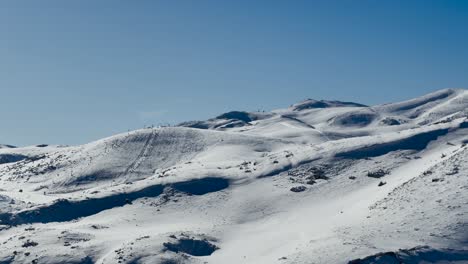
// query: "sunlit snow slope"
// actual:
[[317, 182]]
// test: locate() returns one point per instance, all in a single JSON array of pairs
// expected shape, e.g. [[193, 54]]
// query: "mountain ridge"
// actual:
[[316, 185]]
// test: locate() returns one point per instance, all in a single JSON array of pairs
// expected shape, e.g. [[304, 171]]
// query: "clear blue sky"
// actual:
[[75, 71]]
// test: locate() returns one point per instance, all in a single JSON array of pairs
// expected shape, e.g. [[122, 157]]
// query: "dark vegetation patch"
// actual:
[[64, 210]]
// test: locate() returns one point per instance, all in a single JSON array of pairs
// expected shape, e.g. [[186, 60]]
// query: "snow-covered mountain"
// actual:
[[317, 182]]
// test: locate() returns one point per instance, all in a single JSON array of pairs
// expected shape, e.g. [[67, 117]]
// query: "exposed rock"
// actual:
[[298, 188], [378, 173]]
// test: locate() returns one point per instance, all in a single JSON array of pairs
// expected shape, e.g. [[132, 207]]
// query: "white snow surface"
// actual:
[[318, 182]]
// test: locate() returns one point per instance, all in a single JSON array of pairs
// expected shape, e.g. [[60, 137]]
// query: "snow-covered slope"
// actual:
[[6, 146], [318, 182], [314, 121]]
